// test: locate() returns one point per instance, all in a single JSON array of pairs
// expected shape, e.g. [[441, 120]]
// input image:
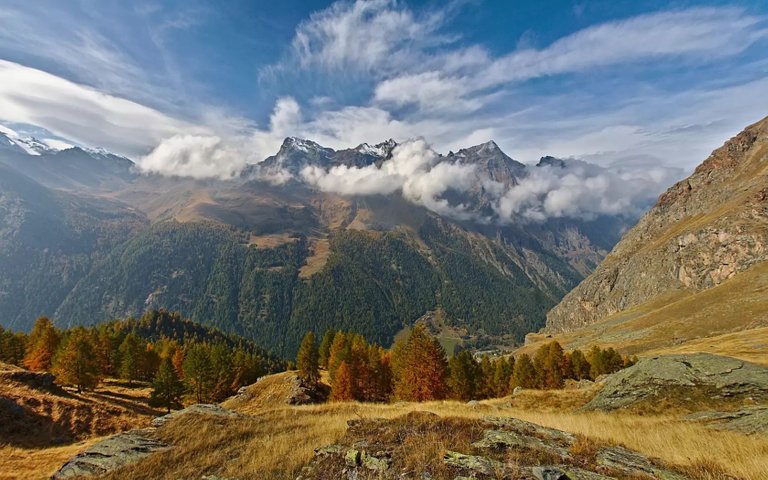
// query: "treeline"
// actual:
[[416, 368], [178, 356]]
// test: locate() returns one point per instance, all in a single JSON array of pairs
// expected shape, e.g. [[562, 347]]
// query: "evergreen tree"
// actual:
[[524, 374], [41, 347], [579, 365], [325, 347], [12, 346], [167, 388], [464, 373], [307, 359], [198, 373], [222, 372], [485, 384], [75, 362], [501, 376], [423, 369], [339, 352], [131, 357], [343, 386]]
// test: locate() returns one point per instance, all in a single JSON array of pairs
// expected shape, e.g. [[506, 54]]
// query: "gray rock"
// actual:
[[352, 457], [633, 463], [473, 463], [749, 421], [198, 409], [109, 454], [549, 473], [657, 376]]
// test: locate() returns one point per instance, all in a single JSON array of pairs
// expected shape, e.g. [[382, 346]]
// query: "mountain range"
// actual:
[[85, 237]]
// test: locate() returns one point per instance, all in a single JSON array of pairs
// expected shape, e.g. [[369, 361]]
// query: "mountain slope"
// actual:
[[269, 256], [703, 231]]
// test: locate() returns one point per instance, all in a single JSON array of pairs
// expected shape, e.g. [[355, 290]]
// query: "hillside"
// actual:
[[270, 261], [693, 265]]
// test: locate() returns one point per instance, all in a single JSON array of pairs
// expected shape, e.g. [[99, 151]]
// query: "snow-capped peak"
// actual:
[[380, 150], [29, 144], [301, 144]]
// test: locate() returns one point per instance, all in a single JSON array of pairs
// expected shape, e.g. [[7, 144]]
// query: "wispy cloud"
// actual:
[[81, 113]]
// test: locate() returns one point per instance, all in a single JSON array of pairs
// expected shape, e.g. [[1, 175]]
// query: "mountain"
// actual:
[[703, 245], [85, 238]]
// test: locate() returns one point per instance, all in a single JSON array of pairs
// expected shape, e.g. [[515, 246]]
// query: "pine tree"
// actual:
[[198, 373], [423, 369], [307, 359], [464, 373], [485, 384], [41, 347], [501, 376], [342, 389], [75, 362], [550, 367], [131, 353], [339, 352], [325, 347], [167, 388], [524, 374], [222, 372], [579, 365]]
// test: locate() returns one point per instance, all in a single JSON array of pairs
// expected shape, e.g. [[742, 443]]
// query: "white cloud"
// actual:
[[414, 170], [196, 157], [366, 34], [583, 190], [82, 114]]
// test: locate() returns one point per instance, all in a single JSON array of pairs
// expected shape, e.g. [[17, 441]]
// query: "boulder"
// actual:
[[198, 409], [109, 454], [749, 421], [700, 374]]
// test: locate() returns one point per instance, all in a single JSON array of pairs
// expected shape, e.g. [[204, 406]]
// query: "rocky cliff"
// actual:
[[704, 230]]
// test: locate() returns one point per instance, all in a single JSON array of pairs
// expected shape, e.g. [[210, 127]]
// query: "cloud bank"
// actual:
[[576, 190]]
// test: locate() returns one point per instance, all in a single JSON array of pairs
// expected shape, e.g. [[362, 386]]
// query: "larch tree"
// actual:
[[167, 388], [422, 370], [41, 346], [75, 363], [307, 360], [343, 386]]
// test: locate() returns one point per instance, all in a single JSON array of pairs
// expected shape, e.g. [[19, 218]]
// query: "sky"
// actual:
[[202, 87]]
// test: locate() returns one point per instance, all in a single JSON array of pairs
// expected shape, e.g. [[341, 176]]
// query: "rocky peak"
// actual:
[[550, 161], [493, 164]]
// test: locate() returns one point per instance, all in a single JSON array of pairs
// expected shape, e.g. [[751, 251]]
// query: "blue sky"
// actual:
[[640, 83]]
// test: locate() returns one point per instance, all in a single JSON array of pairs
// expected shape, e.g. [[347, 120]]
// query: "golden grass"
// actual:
[[32, 464], [277, 443], [321, 250], [729, 319]]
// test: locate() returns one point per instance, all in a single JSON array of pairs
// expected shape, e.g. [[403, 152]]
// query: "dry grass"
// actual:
[[321, 250], [32, 464], [31, 440], [277, 443], [729, 319]]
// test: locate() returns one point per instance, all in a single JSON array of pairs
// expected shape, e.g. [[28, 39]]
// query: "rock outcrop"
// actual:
[[750, 421], [130, 447], [687, 379], [109, 454], [701, 232], [494, 447]]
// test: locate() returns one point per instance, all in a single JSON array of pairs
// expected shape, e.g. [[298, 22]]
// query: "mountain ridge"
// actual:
[[704, 230]]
